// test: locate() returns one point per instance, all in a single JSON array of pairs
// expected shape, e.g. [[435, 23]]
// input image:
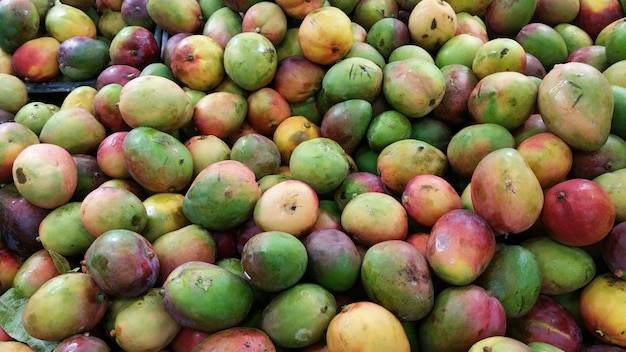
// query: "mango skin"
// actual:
[[65, 305], [396, 275], [143, 324], [157, 160], [206, 297], [576, 103], [506, 192], [461, 316], [514, 277], [564, 268], [222, 196], [299, 316]]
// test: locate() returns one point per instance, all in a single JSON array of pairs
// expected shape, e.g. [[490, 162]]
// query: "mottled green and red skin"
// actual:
[[460, 246], [461, 316], [122, 263]]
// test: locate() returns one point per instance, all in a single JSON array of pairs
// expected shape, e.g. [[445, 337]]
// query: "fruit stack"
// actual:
[[341, 175]]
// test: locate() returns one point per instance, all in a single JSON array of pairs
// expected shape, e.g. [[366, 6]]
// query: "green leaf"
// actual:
[[60, 263], [11, 307]]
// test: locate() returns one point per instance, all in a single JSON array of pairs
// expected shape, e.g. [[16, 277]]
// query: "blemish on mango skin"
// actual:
[[21, 176]]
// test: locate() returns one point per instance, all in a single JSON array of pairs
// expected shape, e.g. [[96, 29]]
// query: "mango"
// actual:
[[222, 196], [364, 79], [469, 145], [460, 246], [506, 192], [157, 160], [576, 103], [298, 316], [563, 268], [461, 316], [413, 86], [395, 275], [347, 122], [65, 21], [122, 263], [143, 324], [45, 174], [273, 260], [514, 277], [336, 268], [65, 220], [321, 163], [206, 297], [65, 305], [38, 268], [499, 344], [19, 23], [158, 109], [366, 326]]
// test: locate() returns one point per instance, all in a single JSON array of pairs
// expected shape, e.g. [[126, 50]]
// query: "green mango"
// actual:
[[298, 316], [353, 78], [63, 232], [206, 297], [222, 196], [564, 268], [514, 277]]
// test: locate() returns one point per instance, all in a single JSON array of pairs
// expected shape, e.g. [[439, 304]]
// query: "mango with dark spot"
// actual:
[[353, 78], [396, 275]]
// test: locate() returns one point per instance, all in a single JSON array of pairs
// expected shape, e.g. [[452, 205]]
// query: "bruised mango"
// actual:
[[396, 275]]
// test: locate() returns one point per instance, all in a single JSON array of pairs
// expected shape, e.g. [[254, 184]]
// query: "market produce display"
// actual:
[[341, 175]]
